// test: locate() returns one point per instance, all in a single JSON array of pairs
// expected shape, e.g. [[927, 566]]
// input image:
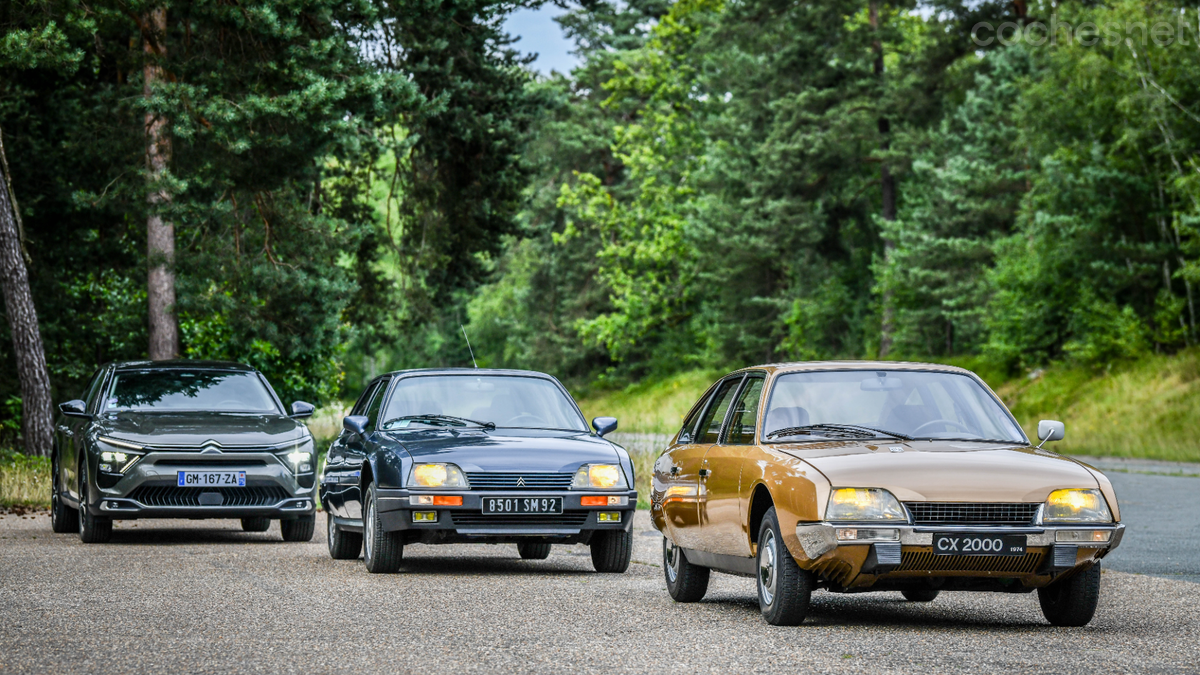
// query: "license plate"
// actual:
[[211, 478], [502, 505], [979, 544]]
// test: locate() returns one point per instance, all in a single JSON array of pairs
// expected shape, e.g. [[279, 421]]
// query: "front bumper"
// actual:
[[468, 522], [149, 488], [1051, 551]]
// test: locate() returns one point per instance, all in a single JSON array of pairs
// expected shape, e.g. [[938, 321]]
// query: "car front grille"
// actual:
[[478, 518], [171, 495], [492, 480], [211, 462], [920, 561], [951, 513]]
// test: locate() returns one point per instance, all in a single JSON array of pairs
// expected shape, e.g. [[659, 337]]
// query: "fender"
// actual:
[[797, 490]]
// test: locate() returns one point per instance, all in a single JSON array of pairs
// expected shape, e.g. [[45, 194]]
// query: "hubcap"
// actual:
[[369, 524], [671, 559], [767, 576]]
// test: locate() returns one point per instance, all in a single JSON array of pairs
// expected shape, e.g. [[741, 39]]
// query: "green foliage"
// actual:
[[24, 480]]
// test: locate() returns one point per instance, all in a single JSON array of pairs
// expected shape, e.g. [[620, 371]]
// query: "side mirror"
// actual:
[[1051, 430], [74, 408], [355, 424], [300, 409], [604, 425]]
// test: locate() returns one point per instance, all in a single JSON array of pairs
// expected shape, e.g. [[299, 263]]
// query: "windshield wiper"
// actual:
[[846, 430], [440, 420]]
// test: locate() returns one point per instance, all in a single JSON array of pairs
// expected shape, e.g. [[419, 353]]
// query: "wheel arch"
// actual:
[[760, 502]]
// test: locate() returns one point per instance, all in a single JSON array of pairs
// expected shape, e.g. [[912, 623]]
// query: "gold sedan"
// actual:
[[861, 476]]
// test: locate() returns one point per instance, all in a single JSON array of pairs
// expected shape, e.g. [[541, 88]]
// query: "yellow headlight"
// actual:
[[1076, 506], [854, 504], [430, 475], [604, 475]]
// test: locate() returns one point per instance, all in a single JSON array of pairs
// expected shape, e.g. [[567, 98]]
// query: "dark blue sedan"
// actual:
[[475, 456]]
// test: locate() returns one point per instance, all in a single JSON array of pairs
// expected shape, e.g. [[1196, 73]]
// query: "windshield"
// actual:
[[504, 400], [176, 390], [903, 402]]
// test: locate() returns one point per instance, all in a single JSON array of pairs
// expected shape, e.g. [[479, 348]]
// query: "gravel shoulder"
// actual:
[[202, 596]]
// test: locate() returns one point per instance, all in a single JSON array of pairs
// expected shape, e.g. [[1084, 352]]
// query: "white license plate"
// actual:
[[211, 479], [506, 505]]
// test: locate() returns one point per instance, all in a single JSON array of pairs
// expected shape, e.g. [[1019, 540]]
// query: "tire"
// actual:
[[300, 529], [1071, 602], [611, 550], [784, 590], [256, 524], [63, 519], [343, 545], [382, 551], [534, 550], [920, 594], [685, 582], [92, 529]]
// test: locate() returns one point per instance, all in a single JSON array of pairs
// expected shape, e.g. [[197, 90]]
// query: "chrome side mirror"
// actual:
[[1051, 430], [604, 425]]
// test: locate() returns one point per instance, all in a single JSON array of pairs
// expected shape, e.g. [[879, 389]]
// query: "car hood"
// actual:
[[946, 471], [196, 429], [498, 451]]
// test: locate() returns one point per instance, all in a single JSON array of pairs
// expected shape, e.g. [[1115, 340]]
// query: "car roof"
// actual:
[[801, 366], [466, 371], [179, 364]]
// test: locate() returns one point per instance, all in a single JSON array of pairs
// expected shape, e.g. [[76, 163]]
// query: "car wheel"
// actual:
[[685, 582], [920, 594], [1072, 601], [784, 590], [300, 529], [92, 529], [343, 545], [611, 550], [534, 550], [256, 524], [63, 518], [382, 551]]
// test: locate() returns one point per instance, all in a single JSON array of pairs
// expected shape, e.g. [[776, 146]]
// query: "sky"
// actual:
[[539, 34]]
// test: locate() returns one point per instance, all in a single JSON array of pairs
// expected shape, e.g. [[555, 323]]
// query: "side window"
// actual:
[[360, 408], [373, 408], [688, 432], [93, 387], [710, 424], [745, 413]]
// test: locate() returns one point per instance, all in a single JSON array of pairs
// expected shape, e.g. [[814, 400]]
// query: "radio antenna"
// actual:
[[464, 330]]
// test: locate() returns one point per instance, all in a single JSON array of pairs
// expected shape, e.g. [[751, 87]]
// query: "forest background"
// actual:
[[719, 183]]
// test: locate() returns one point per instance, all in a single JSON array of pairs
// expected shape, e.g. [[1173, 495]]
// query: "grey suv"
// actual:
[[182, 439]]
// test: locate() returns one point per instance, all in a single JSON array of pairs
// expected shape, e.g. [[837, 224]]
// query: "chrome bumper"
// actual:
[[817, 539]]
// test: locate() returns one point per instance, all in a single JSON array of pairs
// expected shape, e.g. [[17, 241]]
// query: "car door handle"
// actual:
[[674, 470], [704, 473]]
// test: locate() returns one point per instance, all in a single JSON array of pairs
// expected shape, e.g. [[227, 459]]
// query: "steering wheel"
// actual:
[[917, 431], [520, 419]]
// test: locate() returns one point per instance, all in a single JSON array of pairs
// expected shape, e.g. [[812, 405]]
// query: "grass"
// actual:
[[24, 481], [654, 407]]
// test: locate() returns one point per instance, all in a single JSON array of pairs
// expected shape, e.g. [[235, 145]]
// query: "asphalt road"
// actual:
[[202, 596], [1162, 530]]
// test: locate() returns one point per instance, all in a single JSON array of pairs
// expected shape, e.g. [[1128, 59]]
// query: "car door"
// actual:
[[71, 432], [722, 509], [337, 476], [681, 498], [356, 449]]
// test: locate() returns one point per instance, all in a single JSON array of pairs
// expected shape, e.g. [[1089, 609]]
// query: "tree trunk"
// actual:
[[160, 233], [887, 193], [36, 414]]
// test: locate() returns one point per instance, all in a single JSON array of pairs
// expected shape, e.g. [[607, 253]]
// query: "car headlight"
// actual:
[[1076, 506], [436, 475], [117, 456], [604, 476], [299, 457], [855, 504]]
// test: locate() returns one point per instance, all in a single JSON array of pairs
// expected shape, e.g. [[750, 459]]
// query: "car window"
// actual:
[[508, 401], [922, 404], [710, 424], [171, 390], [745, 413], [688, 431], [376, 401], [360, 406], [89, 392]]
